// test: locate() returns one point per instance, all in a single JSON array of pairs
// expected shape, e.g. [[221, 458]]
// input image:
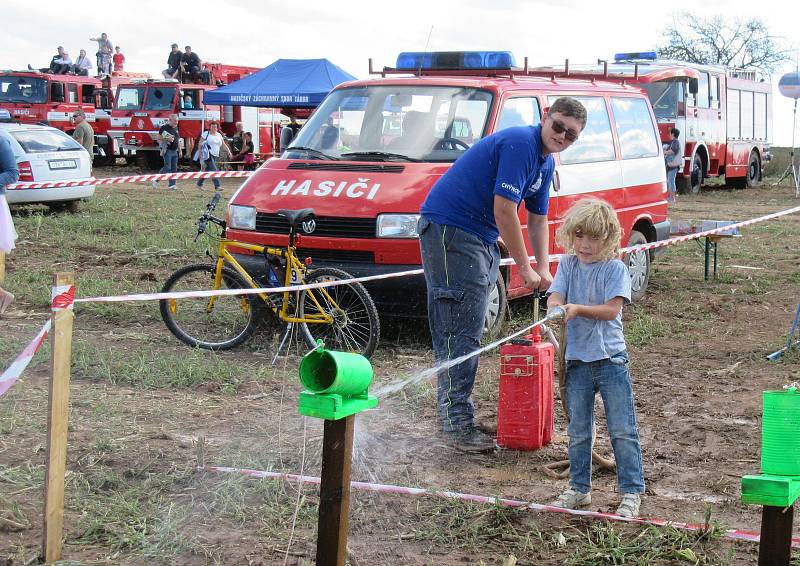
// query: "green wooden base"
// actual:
[[774, 491], [332, 406]]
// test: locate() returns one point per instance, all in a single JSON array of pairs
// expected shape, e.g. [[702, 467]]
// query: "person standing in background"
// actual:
[[83, 134], [9, 173], [673, 156], [211, 142], [168, 136]]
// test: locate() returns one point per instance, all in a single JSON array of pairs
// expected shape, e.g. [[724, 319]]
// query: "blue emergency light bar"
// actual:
[[641, 55], [452, 60]]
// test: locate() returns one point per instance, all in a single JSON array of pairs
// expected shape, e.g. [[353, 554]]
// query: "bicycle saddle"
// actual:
[[296, 217]]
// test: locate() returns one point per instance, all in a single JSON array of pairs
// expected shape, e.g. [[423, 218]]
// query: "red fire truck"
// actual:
[[33, 97], [724, 115], [142, 107]]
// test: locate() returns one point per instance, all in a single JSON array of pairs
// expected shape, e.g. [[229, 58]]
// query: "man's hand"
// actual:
[[530, 278], [545, 277]]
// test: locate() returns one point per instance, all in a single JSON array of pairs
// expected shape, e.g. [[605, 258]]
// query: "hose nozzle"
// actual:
[[556, 314]]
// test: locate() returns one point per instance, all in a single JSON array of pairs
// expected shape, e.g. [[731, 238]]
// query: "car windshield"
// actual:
[[159, 98], [664, 97], [394, 123], [23, 89], [42, 141], [130, 98]]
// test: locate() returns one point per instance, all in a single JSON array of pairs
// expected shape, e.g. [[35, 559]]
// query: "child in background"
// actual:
[[119, 60], [592, 286]]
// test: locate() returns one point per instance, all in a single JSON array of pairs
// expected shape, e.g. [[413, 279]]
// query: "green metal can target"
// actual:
[[780, 433]]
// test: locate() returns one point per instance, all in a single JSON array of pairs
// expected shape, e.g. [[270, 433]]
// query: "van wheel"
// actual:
[[638, 266], [496, 309]]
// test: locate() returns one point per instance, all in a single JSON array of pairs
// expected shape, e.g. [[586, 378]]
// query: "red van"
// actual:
[[372, 150]]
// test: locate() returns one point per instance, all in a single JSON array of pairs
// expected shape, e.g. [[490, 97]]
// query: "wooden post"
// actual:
[[57, 421], [2, 267], [334, 492], [775, 547]]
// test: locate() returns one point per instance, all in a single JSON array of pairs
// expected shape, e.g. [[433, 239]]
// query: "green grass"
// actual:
[[643, 328], [162, 369]]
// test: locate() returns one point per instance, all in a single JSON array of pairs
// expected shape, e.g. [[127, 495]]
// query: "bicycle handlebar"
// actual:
[[202, 222]]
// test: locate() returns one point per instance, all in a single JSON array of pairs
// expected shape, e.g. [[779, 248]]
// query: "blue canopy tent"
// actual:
[[286, 83]]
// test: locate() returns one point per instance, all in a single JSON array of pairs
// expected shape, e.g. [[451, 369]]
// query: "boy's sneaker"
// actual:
[[629, 507], [473, 441], [572, 499]]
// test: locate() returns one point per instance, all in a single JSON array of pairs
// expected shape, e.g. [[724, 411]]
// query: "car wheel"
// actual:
[[638, 263], [496, 308]]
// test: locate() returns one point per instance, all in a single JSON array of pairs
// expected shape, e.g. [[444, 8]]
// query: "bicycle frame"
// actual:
[[295, 273]]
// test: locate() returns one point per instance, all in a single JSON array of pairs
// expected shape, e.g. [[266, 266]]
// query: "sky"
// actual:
[[349, 32]]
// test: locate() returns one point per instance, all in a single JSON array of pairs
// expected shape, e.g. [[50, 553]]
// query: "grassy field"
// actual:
[[146, 411]]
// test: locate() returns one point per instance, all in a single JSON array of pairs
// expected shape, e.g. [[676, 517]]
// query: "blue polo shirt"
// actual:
[[508, 163]]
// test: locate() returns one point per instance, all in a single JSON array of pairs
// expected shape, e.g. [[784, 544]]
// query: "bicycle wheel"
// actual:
[[355, 326], [213, 323]]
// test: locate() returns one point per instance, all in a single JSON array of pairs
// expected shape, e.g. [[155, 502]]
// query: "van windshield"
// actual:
[[394, 123], [23, 89]]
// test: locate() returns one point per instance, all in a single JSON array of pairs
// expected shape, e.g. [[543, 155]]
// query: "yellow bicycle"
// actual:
[[344, 315]]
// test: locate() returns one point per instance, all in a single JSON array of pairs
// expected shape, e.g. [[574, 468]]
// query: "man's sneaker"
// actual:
[[473, 441], [629, 507], [572, 499]]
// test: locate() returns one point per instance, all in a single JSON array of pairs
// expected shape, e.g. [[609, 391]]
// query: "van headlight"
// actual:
[[242, 217], [398, 225]]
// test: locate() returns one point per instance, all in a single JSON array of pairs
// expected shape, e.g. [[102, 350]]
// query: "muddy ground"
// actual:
[[146, 410]]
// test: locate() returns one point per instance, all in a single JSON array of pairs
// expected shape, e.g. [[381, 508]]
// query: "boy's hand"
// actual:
[[570, 310]]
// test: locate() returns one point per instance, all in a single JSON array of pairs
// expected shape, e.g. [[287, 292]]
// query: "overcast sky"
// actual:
[[348, 32]]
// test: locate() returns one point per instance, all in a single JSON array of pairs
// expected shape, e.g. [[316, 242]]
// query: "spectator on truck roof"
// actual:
[[104, 51], [82, 65], [190, 64], [118, 59], [173, 63]]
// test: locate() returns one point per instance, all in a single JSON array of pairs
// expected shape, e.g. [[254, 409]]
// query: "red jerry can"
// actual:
[[525, 404]]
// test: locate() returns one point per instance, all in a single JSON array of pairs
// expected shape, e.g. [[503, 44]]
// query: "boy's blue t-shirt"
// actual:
[[508, 163], [596, 283]]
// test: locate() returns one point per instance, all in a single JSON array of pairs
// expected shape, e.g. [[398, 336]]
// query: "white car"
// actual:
[[47, 154]]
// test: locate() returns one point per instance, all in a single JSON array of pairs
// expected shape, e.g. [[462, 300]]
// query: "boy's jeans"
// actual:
[[610, 377], [460, 269]]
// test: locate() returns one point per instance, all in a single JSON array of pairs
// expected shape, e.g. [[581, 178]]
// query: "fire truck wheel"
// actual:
[[696, 179], [638, 266], [753, 171], [496, 309]]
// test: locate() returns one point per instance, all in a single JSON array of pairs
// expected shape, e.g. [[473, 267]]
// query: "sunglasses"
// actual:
[[560, 128]]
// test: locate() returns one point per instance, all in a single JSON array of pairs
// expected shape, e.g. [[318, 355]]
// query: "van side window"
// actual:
[[596, 142], [520, 111], [637, 135]]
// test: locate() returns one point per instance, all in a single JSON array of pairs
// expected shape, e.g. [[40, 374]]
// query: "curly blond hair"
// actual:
[[595, 218]]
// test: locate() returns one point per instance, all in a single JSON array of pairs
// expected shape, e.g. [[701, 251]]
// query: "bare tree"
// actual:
[[744, 44]]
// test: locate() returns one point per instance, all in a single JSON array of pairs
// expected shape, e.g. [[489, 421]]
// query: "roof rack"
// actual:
[[525, 71]]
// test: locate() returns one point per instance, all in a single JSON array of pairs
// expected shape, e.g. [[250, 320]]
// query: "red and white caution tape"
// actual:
[[62, 298], [735, 534], [132, 179], [16, 368], [506, 261]]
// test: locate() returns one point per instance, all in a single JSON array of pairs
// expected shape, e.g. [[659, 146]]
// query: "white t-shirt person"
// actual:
[[214, 142]]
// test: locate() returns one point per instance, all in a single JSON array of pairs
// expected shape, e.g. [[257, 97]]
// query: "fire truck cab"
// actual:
[[724, 115], [34, 98], [368, 156], [142, 107]]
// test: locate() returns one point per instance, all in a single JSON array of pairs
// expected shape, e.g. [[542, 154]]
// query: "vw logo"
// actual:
[[309, 226], [140, 124]]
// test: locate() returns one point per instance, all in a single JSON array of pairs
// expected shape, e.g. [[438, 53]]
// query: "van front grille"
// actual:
[[331, 226]]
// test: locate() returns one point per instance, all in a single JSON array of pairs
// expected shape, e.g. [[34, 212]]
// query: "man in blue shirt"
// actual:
[[472, 205]]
